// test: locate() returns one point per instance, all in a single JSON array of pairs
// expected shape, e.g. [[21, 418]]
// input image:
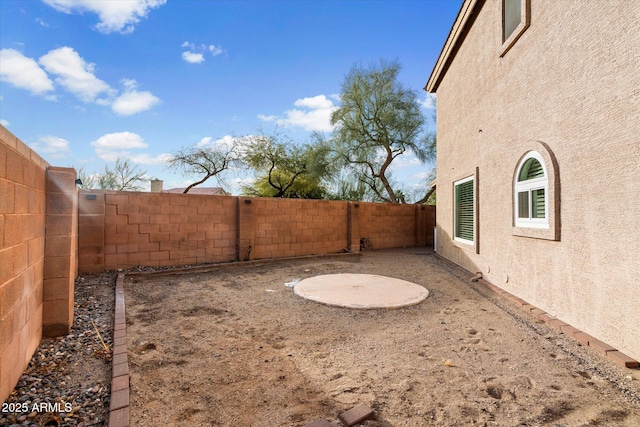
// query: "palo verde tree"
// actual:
[[378, 121], [285, 169], [303, 187], [123, 177], [205, 160]]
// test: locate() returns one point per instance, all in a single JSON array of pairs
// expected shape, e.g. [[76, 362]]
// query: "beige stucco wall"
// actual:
[[572, 82]]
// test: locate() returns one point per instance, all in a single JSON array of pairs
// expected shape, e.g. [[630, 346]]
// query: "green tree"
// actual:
[[205, 161], [285, 169], [123, 177], [303, 187], [378, 121], [344, 187]]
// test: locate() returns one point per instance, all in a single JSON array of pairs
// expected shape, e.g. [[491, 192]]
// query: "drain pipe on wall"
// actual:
[[435, 239], [477, 277]]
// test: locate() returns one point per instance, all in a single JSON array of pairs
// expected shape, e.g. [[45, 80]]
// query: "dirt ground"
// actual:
[[236, 347]]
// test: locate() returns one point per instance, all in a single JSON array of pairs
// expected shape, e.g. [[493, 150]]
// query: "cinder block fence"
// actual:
[[124, 230], [38, 254]]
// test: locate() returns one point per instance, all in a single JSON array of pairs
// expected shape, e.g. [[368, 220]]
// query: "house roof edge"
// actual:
[[456, 35]]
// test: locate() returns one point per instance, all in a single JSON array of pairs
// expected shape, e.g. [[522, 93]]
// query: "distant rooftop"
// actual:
[[206, 191]]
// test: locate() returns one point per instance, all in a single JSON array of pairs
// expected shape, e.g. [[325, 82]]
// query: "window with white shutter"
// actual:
[[464, 210]]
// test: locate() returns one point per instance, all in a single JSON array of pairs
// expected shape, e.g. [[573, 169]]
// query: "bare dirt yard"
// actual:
[[236, 347]]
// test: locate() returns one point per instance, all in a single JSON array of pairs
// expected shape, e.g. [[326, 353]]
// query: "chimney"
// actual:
[[156, 186]]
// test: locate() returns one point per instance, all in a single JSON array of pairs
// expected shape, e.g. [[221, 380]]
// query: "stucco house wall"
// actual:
[[569, 88]]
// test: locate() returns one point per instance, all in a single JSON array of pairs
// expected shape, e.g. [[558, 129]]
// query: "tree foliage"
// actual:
[[378, 121], [286, 169], [303, 187], [344, 187], [205, 161], [123, 177]]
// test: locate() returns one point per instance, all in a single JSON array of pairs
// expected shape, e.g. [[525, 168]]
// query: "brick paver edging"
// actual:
[[601, 347], [119, 406]]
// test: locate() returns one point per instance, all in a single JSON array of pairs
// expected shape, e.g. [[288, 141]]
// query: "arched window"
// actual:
[[531, 192]]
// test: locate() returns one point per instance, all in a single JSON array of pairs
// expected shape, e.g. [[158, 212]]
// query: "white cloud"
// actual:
[[316, 119], [429, 102], [129, 84], [23, 72], [315, 103], [225, 142], [421, 176], [120, 140], [215, 50], [193, 58], [236, 184], [269, 118], [115, 16], [113, 145], [74, 74], [195, 53], [133, 102], [405, 160], [204, 142], [314, 114], [146, 159], [4, 122], [52, 145], [239, 144]]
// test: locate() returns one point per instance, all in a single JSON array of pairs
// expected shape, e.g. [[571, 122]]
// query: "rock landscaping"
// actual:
[[67, 382]]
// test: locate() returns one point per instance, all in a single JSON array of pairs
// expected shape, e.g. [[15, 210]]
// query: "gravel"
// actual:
[[67, 382]]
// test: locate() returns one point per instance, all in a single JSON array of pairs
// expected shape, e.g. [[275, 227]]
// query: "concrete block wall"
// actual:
[[128, 229], [22, 216], [294, 227], [38, 253], [60, 251], [120, 230], [22, 241], [393, 226]]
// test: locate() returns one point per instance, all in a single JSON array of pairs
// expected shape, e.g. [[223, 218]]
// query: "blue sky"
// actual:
[[84, 82]]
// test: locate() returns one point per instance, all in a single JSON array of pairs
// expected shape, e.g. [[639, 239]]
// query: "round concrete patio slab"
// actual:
[[361, 291]]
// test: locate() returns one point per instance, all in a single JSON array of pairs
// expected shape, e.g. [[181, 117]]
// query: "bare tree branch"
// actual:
[[205, 161]]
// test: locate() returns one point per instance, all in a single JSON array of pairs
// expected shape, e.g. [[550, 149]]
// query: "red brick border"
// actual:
[[601, 347], [119, 406]]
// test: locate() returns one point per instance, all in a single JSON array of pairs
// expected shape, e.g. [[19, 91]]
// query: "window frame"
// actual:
[[525, 20], [456, 184], [553, 231], [529, 186]]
